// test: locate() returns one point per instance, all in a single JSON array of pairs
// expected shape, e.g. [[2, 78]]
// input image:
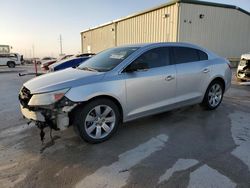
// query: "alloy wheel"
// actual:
[[215, 95], [100, 121]]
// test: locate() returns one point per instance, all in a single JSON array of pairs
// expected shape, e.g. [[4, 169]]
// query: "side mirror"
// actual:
[[136, 66]]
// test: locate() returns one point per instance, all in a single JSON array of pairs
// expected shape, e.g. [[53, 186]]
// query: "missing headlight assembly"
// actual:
[[49, 109]]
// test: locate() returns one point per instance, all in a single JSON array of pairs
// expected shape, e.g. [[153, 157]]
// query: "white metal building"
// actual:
[[224, 29]]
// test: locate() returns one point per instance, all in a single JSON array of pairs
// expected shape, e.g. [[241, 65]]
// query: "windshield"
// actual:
[[108, 59]]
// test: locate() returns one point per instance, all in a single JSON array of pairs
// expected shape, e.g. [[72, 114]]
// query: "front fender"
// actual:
[[114, 89]]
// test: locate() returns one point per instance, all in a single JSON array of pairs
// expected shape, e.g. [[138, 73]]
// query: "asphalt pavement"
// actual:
[[187, 147]]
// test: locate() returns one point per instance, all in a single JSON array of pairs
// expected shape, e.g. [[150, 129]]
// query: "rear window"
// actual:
[[186, 55], [203, 55]]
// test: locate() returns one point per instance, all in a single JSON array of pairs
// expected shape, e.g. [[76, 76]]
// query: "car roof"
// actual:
[[180, 44], [211, 54]]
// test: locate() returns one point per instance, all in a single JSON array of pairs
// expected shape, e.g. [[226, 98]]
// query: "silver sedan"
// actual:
[[125, 83]]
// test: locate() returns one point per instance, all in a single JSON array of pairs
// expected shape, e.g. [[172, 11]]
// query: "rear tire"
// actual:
[[11, 64], [214, 95], [97, 120]]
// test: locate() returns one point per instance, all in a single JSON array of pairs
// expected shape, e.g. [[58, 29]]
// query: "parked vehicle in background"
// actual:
[[31, 60], [10, 59], [37, 60], [125, 83], [28, 60], [46, 62], [243, 70], [45, 59], [64, 57], [66, 63], [85, 55]]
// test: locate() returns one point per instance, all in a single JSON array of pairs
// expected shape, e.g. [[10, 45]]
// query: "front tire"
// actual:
[[11, 64], [97, 120], [214, 95]]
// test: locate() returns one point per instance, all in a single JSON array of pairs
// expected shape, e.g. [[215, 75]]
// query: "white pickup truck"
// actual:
[[10, 59]]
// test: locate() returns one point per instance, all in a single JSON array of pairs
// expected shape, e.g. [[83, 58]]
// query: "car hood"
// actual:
[[67, 78]]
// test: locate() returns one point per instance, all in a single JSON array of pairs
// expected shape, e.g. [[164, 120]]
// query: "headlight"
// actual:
[[47, 98]]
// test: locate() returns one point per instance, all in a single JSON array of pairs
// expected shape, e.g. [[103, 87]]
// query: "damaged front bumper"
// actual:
[[244, 74], [57, 119], [31, 115], [243, 71], [56, 115]]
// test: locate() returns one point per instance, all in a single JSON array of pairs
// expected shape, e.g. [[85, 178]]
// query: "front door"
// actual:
[[150, 91]]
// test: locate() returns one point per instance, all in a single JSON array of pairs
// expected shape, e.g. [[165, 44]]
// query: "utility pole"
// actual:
[[61, 44], [34, 60], [33, 50]]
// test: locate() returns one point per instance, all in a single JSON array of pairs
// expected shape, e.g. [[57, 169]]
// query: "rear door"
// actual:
[[149, 91], [192, 71]]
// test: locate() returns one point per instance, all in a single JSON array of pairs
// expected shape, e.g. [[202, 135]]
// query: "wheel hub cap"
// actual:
[[100, 121], [215, 95]]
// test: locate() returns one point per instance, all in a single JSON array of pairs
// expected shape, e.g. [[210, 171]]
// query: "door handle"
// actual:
[[168, 78], [206, 70]]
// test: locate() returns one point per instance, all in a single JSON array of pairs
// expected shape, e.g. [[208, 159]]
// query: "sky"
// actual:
[[37, 24]]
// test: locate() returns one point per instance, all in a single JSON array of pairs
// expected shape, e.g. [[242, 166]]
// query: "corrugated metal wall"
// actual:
[[149, 27], [98, 39], [222, 30]]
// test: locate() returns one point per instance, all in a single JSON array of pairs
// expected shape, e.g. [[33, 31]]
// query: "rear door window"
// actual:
[[203, 55], [186, 55]]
